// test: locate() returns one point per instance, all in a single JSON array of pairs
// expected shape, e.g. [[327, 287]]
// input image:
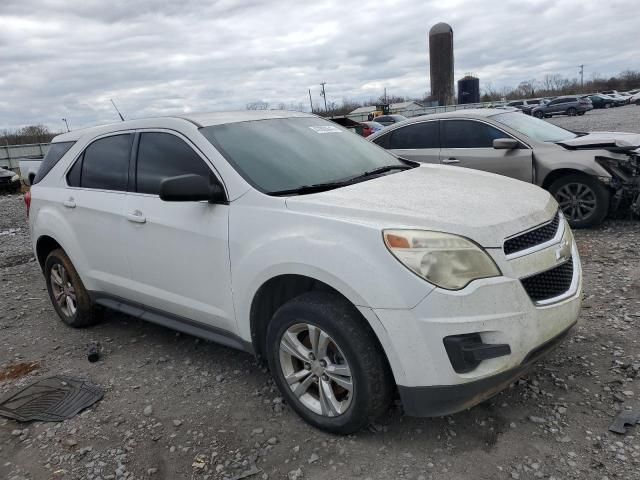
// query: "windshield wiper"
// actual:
[[316, 187], [380, 170], [322, 187]]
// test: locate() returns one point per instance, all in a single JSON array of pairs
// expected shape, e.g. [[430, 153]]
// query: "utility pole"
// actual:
[[310, 101], [581, 77], [385, 95], [67, 124], [324, 95]]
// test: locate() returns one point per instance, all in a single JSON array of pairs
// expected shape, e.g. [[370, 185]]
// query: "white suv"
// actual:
[[353, 273]]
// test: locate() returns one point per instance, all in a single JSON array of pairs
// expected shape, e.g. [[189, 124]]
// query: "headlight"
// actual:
[[15, 178], [447, 261]]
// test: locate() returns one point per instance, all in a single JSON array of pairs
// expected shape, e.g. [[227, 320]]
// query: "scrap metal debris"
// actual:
[[626, 417], [52, 399]]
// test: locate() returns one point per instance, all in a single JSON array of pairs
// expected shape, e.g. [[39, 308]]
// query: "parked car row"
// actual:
[[575, 104], [9, 181]]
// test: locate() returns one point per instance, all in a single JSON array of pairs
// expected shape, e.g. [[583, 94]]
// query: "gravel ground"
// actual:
[[179, 407], [619, 119]]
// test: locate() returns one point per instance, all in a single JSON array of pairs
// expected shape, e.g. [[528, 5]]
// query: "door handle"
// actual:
[[136, 216], [450, 160], [70, 203]]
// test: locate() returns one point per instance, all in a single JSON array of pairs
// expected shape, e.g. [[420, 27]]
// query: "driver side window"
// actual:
[[163, 155]]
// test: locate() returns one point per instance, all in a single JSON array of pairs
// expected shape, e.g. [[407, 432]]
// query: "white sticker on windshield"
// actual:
[[326, 129]]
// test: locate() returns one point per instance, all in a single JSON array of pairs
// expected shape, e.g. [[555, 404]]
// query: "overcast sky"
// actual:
[[67, 58]]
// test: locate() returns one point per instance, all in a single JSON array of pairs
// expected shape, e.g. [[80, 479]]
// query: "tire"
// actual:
[[607, 105], [351, 342], [571, 112], [69, 284], [594, 194], [538, 114]]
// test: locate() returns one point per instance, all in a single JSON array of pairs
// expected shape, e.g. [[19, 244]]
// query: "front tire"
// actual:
[[67, 293], [571, 112], [538, 114], [583, 199], [328, 363]]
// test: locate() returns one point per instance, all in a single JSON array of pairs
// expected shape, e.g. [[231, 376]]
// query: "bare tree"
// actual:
[[259, 105]]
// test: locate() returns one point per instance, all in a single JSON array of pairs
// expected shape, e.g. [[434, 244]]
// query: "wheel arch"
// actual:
[[278, 290], [44, 246], [559, 173]]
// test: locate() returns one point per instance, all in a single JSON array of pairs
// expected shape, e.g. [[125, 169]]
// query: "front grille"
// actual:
[[533, 237], [550, 283]]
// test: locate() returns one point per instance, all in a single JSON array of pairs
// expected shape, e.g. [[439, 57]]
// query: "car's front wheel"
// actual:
[[538, 114], [583, 199], [67, 293], [328, 363], [571, 112]]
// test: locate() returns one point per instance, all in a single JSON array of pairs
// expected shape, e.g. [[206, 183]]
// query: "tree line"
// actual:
[[25, 135], [550, 85]]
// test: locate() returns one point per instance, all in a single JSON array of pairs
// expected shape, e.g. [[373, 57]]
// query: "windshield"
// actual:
[[287, 153], [534, 127]]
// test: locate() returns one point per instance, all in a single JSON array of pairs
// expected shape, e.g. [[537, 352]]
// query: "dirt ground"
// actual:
[[176, 407]]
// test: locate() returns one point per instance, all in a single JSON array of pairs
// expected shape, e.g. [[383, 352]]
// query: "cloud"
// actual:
[[63, 58]]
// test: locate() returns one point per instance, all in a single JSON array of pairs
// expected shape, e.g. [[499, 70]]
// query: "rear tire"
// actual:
[[607, 105], [583, 199], [571, 112], [343, 343], [67, 293]]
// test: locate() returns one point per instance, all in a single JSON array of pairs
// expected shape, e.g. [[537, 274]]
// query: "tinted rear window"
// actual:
[[417, 135], [53, 156]]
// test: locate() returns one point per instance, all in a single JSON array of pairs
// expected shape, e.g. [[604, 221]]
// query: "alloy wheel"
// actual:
[[577, 201], [63, 291], [316, 370]]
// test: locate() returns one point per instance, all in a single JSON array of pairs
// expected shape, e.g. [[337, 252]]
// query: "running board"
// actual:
[[173, 322]]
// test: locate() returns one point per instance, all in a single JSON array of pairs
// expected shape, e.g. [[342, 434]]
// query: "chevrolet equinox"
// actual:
[[356, 275]]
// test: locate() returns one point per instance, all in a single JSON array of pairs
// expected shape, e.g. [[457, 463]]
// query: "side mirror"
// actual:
[[505, 143], [191, 188]]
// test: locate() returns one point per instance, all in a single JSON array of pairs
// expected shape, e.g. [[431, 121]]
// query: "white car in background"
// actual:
[[353, 273]]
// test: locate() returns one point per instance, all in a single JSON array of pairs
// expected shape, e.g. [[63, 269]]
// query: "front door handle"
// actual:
[[136, 216], [450, 160], [70, 203]]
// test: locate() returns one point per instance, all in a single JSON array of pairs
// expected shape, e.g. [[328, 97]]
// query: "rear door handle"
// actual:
[[70, 203], [136, 216], [450, 160]]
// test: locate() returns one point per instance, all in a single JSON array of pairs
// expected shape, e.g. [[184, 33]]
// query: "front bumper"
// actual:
[[436, 401], [500, 311]]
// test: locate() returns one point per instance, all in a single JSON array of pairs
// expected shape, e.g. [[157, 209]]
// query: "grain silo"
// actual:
[[441, 63], [469, 89]]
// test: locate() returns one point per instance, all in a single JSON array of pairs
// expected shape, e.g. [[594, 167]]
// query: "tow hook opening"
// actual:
[[466, 351]]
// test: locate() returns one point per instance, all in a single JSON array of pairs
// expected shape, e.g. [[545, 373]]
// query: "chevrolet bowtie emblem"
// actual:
[[563, 252]]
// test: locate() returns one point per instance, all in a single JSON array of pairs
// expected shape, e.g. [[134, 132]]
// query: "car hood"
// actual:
[[481, 206], [603, 139]]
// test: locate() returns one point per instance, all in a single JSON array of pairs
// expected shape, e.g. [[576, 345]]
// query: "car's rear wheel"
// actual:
[[67, 293], [583, 199], [328, 363], [571, 111], [607, 105]]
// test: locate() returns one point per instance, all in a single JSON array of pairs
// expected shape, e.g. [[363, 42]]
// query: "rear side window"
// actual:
[[53, 156], [104, 165], [417, 135], [469, 134], [162, 155]]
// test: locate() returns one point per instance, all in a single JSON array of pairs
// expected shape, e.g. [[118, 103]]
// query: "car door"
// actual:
[[417, 141], [178, 251], [469, 143], [93, 205]]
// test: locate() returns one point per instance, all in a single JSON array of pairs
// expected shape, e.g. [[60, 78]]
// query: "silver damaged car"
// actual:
[[591, 174]]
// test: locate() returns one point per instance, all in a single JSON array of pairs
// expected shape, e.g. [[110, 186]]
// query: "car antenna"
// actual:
[[114, 106]]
